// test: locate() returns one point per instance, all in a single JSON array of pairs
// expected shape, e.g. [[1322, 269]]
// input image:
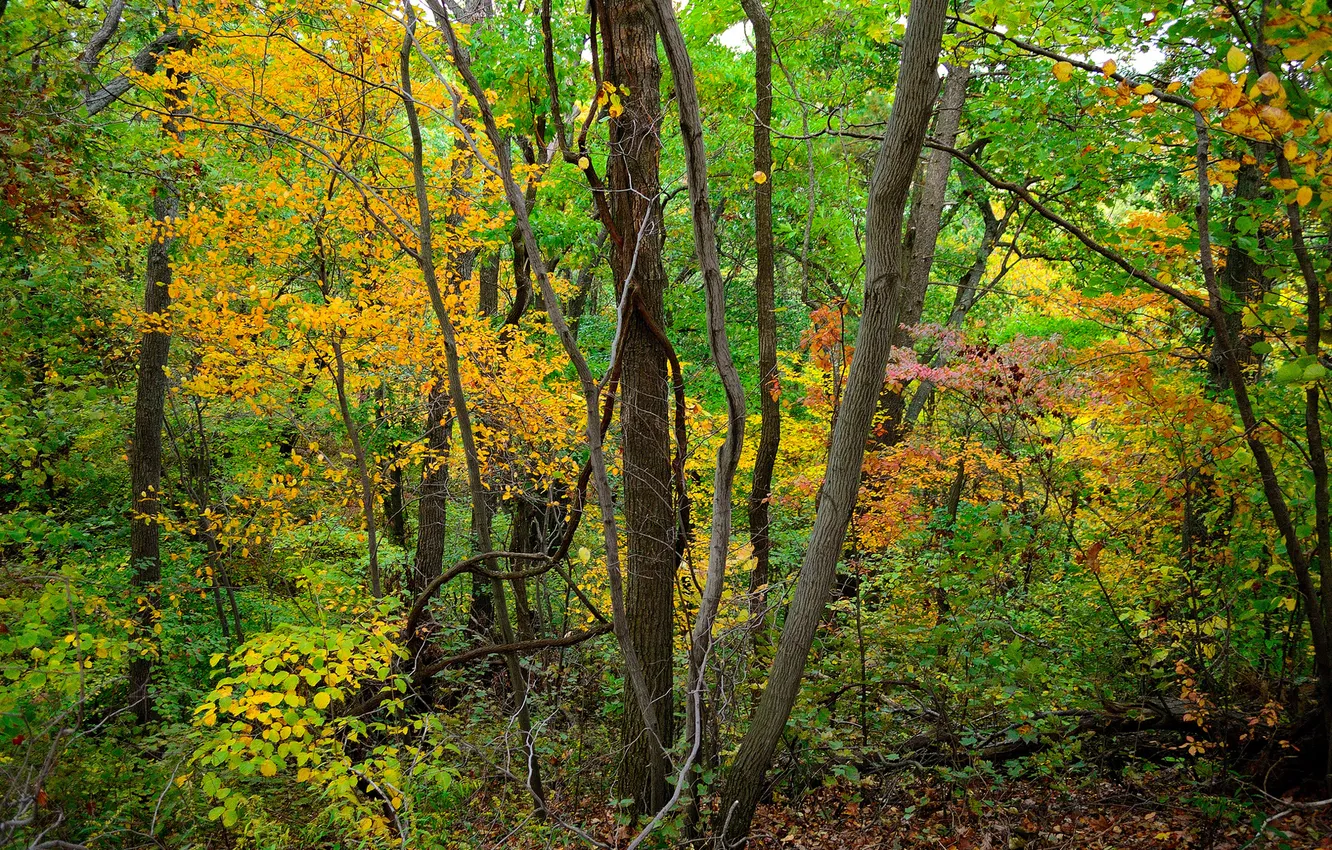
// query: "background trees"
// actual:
[[1036, 295]]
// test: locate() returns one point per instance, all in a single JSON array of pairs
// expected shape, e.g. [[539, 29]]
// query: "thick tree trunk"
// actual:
[[630, 47], [923, 228], [889, 184], [146, 450], [770, 429]]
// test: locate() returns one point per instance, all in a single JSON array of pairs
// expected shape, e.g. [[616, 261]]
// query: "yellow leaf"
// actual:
[[303, 774], [268, 768], [1175, 86], [1210, 78], [760, 178], [1235, 59], [616, 110], [1304, 196], [1276, 118], [1143, 88], [1268, 84], [584, 162], [321, 700], [1291, 150], [1109, 67], [1283, 183], [1063, 71]]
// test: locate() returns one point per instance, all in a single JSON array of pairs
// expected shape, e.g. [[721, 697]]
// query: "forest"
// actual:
[[644, 424]]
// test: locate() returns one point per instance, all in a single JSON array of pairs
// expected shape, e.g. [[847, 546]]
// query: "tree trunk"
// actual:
[[362, 468], [395, 519], [968, 292], [630, 48], [481, 517], [770, 429], [896, 161], [923, 237], [433, 504], [146, 450], [1241, 276], [489, 287]]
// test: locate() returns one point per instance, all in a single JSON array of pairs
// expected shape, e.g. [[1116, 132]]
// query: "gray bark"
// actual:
[[889, 184]]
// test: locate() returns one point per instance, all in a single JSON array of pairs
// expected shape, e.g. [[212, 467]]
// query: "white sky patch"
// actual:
[[1141, 61], [736, 37]]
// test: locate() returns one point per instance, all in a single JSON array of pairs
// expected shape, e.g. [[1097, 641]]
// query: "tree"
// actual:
[[889, 184]]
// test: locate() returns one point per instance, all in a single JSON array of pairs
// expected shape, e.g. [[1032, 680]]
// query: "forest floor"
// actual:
[[1012, 816]]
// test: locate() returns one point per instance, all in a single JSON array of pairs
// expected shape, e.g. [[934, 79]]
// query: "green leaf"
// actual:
[[1289, 373]]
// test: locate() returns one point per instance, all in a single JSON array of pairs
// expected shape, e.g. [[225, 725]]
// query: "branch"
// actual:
[[1073, 230], [145, 62], [470, 565], [570, 639]]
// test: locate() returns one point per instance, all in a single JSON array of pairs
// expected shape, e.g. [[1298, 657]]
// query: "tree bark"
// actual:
[[630, 47], [146, 449], [1242, 276], [145, 452], [489, 290], [770, 413], [481, 517], [433, 501], [889, 184], [923, 228]]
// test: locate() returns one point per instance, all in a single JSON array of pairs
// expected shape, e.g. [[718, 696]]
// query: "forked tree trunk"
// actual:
[[896, 161]]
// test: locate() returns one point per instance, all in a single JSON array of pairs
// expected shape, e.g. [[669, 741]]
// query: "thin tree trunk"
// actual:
[[395, 520], [362, 468], [923, 228], [968, 292], [770, 413], [480, 505], [896, 161], [728, 454], [145, 452]]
